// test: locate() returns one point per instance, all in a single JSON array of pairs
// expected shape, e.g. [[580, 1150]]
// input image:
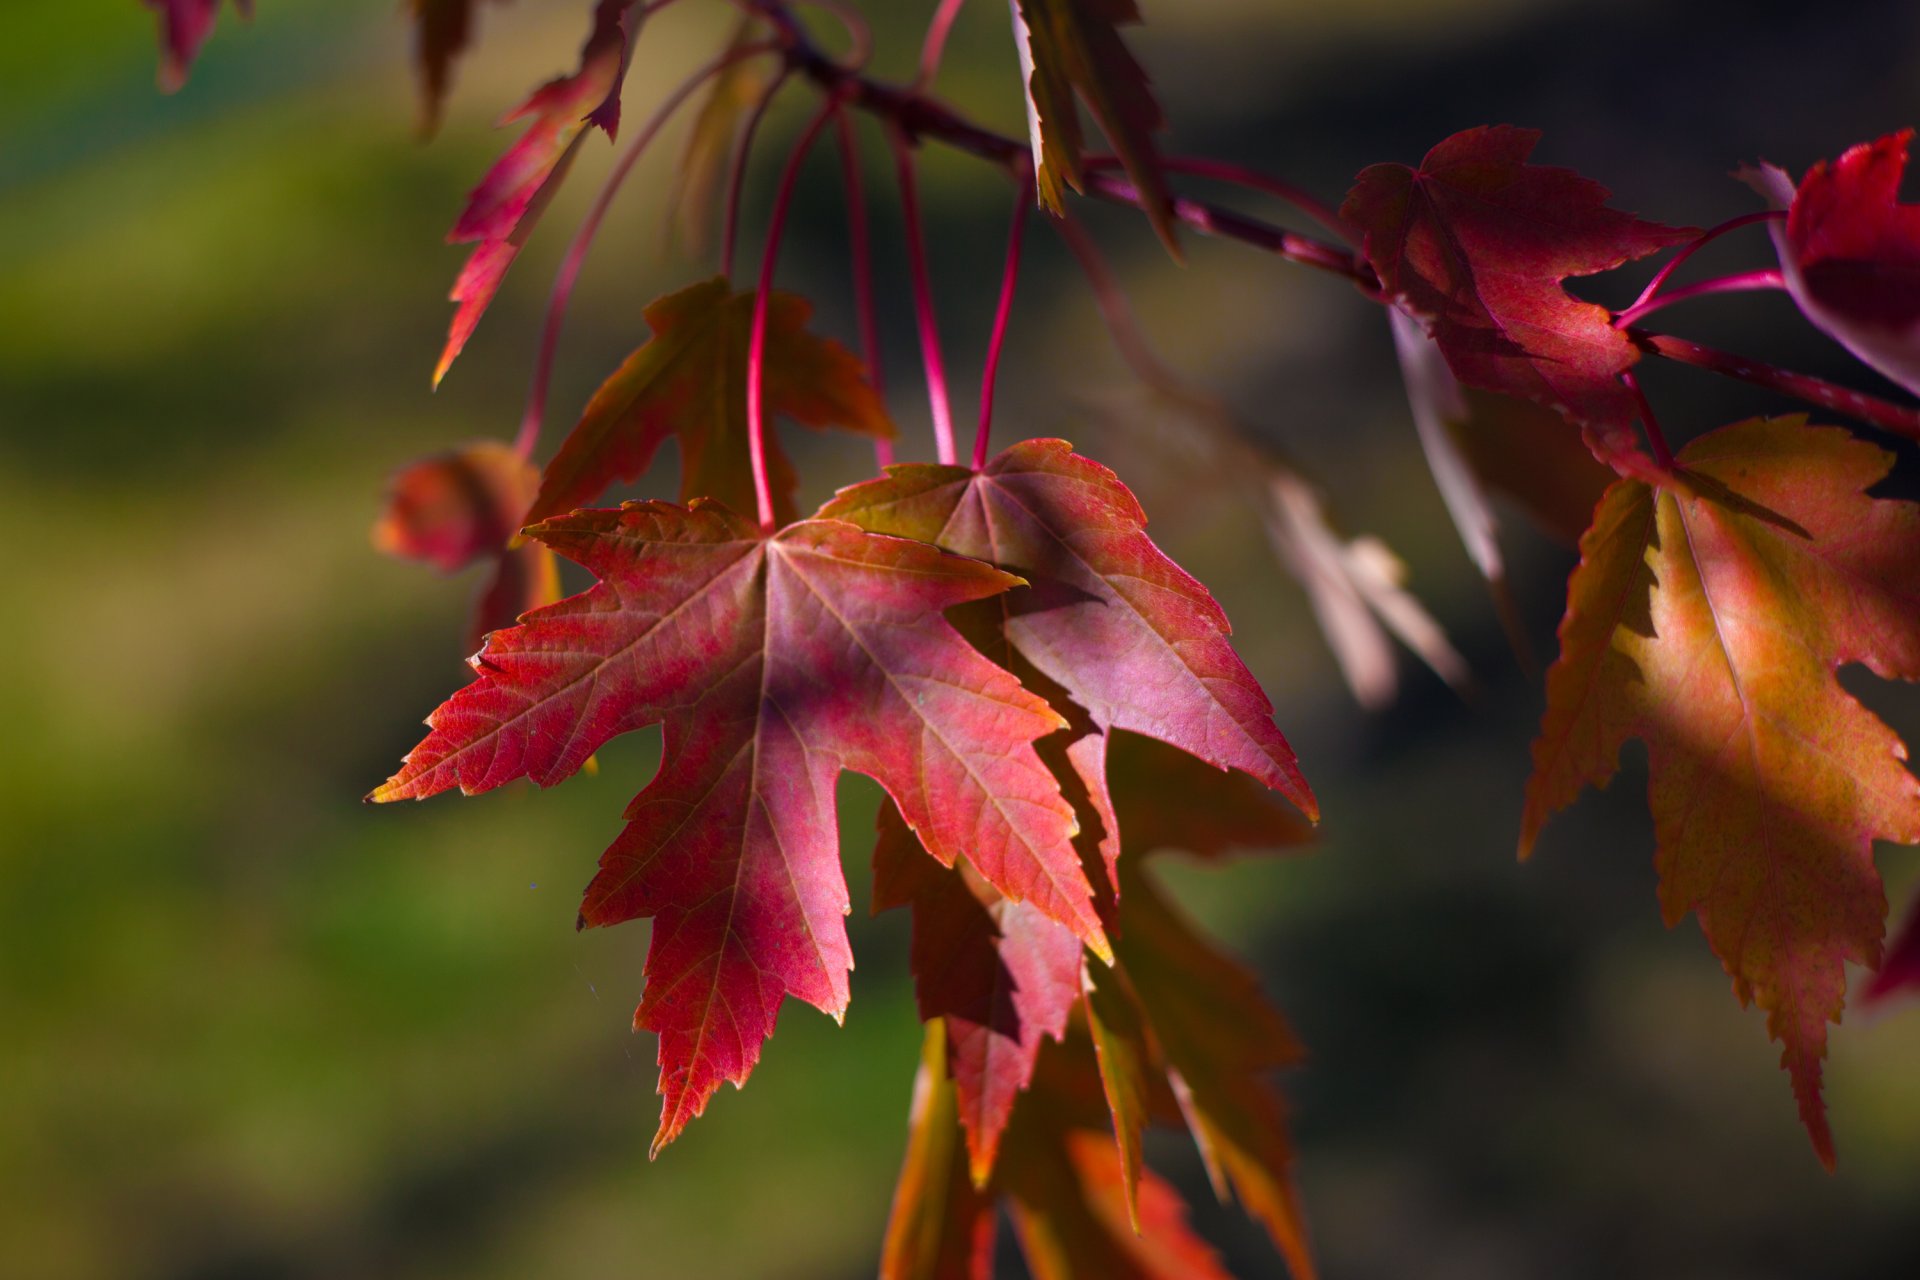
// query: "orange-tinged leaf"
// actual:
[[1708, 619], [941, 1226], [1072, 48], [775, 662], [1218, 1040], [454, 508], [1126, 1071], [1068, 1201], [465, 505], [503, 210], [690, 381], [1475, 243]]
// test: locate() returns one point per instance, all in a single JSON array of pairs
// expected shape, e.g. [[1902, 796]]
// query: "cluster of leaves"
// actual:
[[1047, 699]]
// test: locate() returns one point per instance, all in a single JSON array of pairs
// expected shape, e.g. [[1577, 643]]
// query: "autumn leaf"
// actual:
[[466, 505], [504, 209], [1850, 252], [705, 158], [775, 662], [1126, 633], [1165, 799], [442, 29], [1475, 244], [1073, 47], [1066, 1192], [184, 27], [999, 975], [690, 381], [1708, 618], [1357, 588], [1517, 450], [1900, 970], [1218, 1041]]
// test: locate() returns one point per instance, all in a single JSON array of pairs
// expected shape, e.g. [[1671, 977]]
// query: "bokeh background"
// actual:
[[251, 1028]]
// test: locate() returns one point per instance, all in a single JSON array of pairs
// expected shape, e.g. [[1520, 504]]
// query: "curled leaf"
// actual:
[[466, 505], [1475, 244]]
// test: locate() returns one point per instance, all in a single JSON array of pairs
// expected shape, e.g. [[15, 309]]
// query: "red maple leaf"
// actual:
[[1850, 252], [184, 27], [1475, 243], [775, 662], [502, 211]]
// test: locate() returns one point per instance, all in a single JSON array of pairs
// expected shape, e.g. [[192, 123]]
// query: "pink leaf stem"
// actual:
[[757, 344], [1769, 278], [1008, 280], [937, 398], [860, 238], [935, 45], [1705, 238]]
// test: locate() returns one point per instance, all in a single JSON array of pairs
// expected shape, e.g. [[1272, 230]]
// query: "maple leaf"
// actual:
[[1070, 47], [775, 662], [504, 209], [465, 505], [1850, 252], [1708, 618], [690, 380], [1124, 631], [184, 27], [1900, 970], [1475, 243], [442, 30]]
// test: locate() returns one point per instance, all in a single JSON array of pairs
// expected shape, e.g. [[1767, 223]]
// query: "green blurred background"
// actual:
[[250, 1028]]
